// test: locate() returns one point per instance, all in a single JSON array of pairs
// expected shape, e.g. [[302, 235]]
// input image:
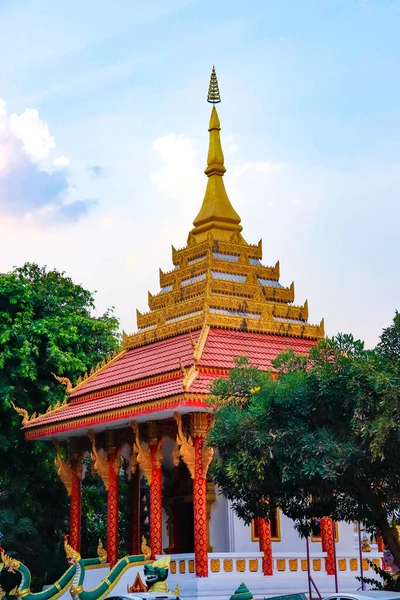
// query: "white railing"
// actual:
[[219, 564], [284, 563]]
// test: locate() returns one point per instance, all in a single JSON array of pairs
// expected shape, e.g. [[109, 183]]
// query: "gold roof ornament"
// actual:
[[65, 381], [217, 214], [213, 95]]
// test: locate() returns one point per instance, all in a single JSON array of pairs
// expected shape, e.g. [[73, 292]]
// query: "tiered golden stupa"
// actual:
[[219, 302]]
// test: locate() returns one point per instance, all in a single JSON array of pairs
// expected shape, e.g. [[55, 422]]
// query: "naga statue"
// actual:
[[107, 583], [53, 592], [156, 574]]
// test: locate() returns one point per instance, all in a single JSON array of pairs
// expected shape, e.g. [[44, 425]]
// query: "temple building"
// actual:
[[148, 403]]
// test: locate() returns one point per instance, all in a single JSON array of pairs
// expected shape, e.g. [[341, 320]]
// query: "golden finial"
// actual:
[[217, 218], [213, 95]]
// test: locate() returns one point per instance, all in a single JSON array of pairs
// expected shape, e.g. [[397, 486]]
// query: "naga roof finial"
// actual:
[[213, 95]]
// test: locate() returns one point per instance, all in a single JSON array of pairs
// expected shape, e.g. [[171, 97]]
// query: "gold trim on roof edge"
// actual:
[[184, 399], [194, 250], [219, 301], [222, 266], [98, 369], [239, 323]]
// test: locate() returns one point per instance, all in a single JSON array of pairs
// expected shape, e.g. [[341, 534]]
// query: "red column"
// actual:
[[264, 536], [75, 511], [135, 512], [200, 509], [381, 547], [112, 510], [326, 527], [155, 502]]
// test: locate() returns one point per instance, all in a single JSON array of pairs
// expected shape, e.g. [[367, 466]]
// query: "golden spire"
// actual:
[[217, 214]]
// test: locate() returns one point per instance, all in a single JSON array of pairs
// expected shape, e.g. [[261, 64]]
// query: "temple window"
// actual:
[[275, 528], [316, 531]]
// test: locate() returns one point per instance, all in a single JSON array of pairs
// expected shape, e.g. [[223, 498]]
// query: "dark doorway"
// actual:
[[178, 504], [183, 526]]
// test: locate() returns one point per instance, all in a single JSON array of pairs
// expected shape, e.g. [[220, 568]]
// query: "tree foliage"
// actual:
[[47, 326], [322, 438]]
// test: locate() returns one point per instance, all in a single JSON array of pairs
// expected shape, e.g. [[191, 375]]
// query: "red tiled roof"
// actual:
[[144, 361], [111, 402], [223, 345], [202, 384]]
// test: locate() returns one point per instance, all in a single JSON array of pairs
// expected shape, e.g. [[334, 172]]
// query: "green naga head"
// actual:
[[156, 574]]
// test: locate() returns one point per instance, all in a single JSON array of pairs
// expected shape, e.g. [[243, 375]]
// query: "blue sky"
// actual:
[[103, 140]]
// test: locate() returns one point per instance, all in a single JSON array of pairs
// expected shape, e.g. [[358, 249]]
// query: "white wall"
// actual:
[[219, 524], [240, 539]]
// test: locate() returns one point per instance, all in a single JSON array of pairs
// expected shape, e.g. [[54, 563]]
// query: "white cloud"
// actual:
[[30, 186], [33, 133], [179, 172], [108, 222], [61, 161]]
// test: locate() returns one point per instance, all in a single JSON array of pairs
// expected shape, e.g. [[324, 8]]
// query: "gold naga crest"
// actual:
[[72, 555], [101, 552], [9, 563]]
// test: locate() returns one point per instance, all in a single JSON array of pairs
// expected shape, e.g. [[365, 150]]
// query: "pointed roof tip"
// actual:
[[214, 120], [213, 95]]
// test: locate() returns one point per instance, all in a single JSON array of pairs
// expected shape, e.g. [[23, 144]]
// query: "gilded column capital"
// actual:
[[144, 451], [200, 424], [67, 469], [153, 432], [186, 448], [101, 459], [64, 469]]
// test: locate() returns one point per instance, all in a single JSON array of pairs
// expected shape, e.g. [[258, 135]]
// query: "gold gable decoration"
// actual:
[[218, 279]]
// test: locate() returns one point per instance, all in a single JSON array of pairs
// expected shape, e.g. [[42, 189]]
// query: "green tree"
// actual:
[[46, 326], [316, 440]]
